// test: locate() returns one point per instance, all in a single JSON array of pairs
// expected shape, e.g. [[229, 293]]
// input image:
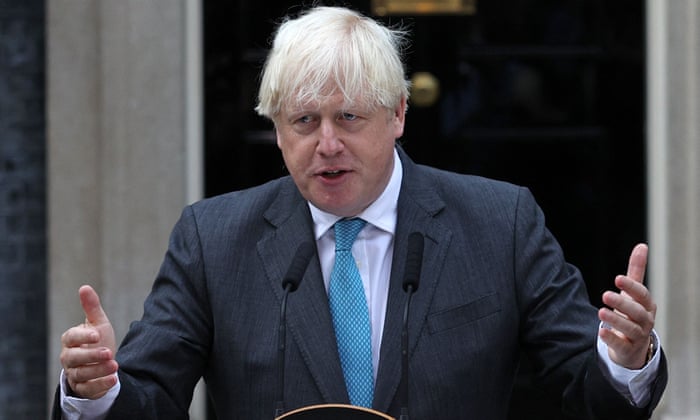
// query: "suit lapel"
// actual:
[[308, 316], [418, 204]]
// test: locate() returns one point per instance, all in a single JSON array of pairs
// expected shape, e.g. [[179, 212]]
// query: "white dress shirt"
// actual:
[[373, 249]]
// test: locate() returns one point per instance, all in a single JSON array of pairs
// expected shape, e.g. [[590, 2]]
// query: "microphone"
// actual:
[[296, 269], [414, 261], [290, 283]]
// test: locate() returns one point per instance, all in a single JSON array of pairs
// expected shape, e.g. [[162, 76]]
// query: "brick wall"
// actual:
[[22, 211]]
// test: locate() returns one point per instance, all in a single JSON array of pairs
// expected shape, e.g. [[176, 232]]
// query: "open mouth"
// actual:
[[332, 174]]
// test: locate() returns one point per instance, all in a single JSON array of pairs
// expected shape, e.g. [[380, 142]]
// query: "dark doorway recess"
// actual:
[[542, 93]]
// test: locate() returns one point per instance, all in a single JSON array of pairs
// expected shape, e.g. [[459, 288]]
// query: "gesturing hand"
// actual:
[[87, 353], [630, 316]]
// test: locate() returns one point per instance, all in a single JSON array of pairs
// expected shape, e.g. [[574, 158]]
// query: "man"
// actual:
[[493, 285]]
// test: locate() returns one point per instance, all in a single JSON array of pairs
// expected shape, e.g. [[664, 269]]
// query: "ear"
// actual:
[[399, 118], [277, 136]]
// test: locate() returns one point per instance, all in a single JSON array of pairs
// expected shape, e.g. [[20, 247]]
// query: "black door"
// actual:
[[548, 94]]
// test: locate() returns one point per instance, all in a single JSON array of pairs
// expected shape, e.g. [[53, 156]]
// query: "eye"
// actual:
[[305, 124], [305, 119], [348, 116]]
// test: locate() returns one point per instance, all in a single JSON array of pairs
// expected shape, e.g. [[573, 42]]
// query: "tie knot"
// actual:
[[346, 230]]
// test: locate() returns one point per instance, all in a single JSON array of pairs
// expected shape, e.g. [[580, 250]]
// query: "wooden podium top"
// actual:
[[334, 412]]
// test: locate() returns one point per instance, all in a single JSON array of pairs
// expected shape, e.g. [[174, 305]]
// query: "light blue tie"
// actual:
[[346, 296]]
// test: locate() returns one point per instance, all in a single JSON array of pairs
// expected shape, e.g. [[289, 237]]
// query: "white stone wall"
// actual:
[[673, 117], [124, 149]]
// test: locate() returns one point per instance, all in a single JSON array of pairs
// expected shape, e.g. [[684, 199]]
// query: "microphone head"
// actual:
[[414, 261], [298, 266]]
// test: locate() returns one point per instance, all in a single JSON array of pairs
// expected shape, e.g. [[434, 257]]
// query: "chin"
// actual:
[[339, 210]]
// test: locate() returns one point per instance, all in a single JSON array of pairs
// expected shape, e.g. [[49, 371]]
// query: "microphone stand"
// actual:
[[404, 354], [290, 282], [281, 348], [414, 262]]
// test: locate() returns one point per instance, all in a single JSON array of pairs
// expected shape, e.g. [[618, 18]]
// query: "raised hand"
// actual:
[[87, 353], [630, 315]]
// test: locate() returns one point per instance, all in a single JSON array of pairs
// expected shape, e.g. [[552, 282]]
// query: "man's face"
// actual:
[[340, 158]]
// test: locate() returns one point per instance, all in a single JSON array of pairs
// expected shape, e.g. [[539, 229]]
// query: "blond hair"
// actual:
[[329, 50]]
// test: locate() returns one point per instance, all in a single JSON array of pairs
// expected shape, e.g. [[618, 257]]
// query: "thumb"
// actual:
[[94, 314]]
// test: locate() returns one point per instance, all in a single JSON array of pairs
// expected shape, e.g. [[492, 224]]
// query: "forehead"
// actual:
[[337, 102]]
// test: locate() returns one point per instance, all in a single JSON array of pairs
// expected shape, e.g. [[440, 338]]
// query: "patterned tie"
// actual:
[[346, 296]]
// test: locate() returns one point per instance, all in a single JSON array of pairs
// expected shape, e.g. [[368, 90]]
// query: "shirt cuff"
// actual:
[[75, 408], [635, 384]]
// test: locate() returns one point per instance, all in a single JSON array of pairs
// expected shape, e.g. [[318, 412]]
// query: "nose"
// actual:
[[329, 142]]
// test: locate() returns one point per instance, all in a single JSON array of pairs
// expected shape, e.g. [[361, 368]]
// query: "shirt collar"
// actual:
[[381, 213]]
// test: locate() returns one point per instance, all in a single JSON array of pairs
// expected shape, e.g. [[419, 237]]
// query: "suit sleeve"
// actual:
[[603, 402], [164, 354], [560, 326]]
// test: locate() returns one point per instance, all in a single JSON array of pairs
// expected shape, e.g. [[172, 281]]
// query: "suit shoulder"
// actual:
[[246, 206], [470, 188], [258, 196]]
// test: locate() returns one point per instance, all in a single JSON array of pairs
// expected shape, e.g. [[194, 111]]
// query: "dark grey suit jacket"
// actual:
[[494, 284]]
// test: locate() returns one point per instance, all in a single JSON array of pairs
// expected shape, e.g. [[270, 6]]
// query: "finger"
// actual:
[[95, 388], [620, 345], [635, 291], [628, 308], [612, 338], [624, 351], [624, 327], [638, 263], [94, 314], [79, 336], [87, 373], [79, 356]]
